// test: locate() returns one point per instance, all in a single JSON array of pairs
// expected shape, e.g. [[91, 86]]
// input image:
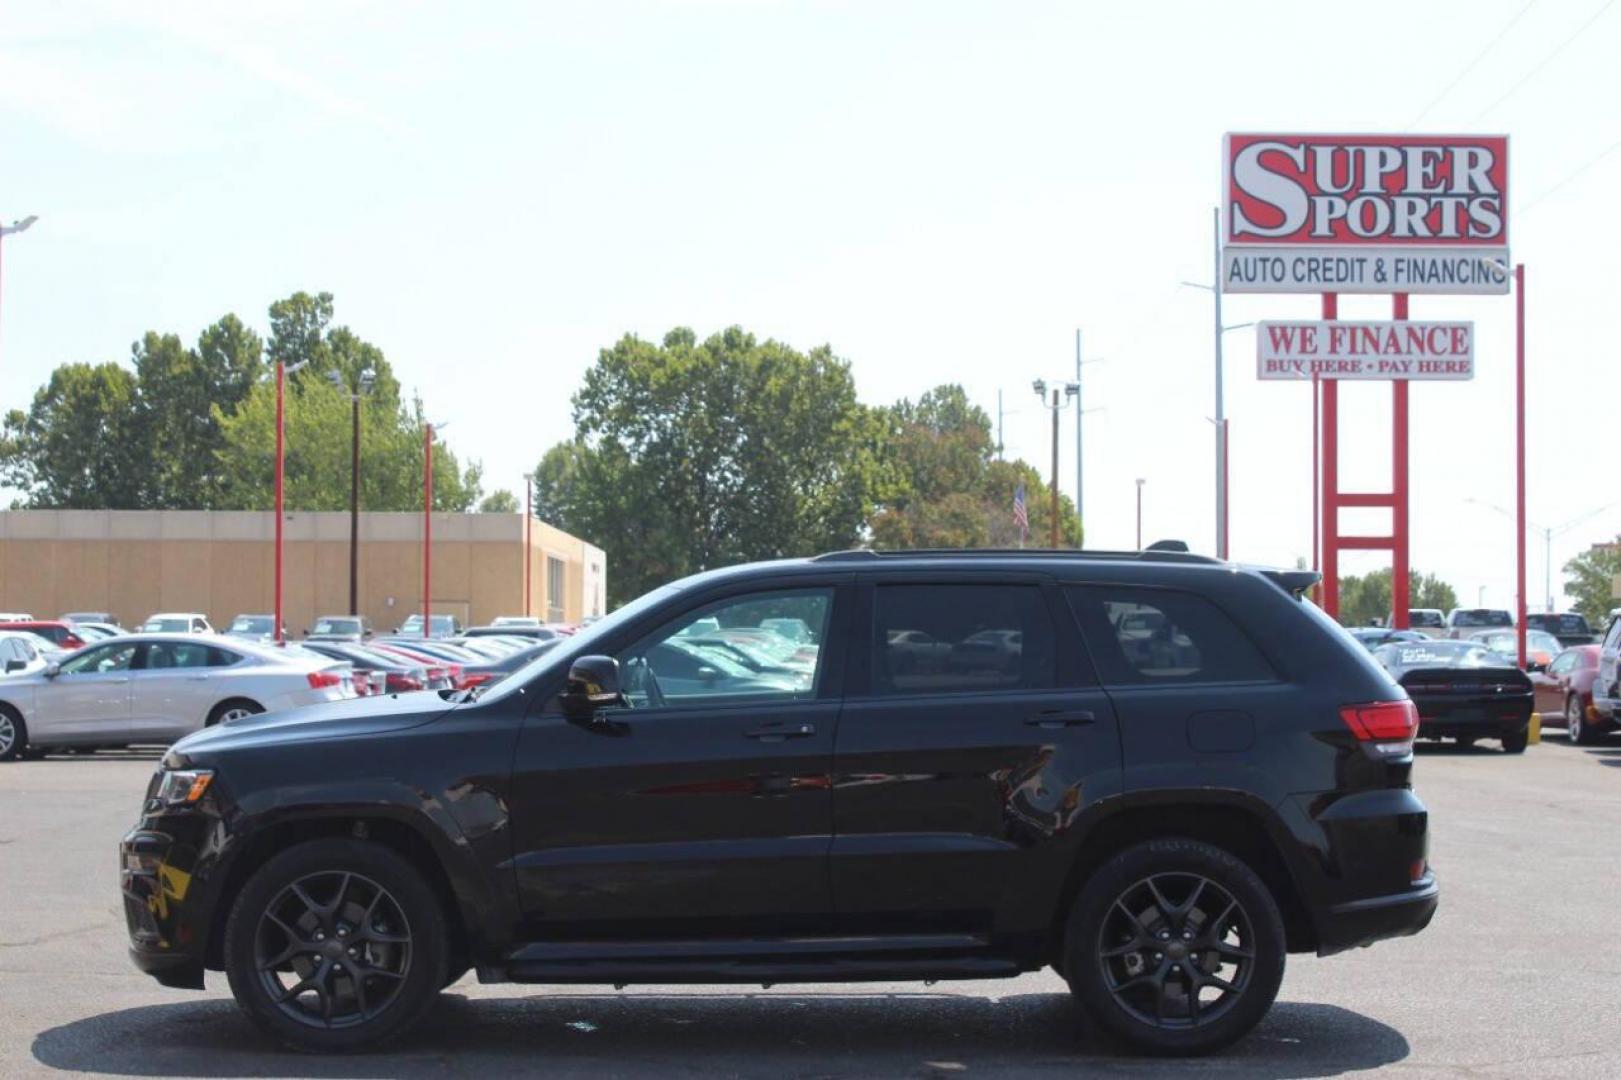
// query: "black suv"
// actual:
[[1156, 773]]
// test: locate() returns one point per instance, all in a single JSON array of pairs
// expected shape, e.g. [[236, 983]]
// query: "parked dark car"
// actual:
[[1565, 692], [1161, 822], [1570, 628], [1463, 691]]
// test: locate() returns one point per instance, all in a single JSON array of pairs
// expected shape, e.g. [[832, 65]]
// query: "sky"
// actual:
[[942, 192]]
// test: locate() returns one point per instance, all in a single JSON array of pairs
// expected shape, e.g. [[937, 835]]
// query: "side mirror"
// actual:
[[593, 684], [15, 665], [708, 674], [52, 670]]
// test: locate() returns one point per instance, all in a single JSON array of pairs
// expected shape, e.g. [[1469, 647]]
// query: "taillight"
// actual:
[[402, 683], [1385, 728], [455, 673], [321, 680], [478, 678]]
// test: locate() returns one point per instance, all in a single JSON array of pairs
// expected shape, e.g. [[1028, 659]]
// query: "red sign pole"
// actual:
[[1519, 457], [1400, 572], [427, 529], [1331, 478]]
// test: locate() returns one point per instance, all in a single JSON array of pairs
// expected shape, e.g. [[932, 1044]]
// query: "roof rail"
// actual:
[[1155, 553]]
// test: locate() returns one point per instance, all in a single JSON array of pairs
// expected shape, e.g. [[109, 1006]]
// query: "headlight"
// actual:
[[183, 787]]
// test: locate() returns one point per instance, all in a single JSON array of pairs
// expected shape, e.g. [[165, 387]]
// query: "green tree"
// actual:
[[499, 502], [1588, 580], [79, 446], [946, 487], [1366, 599], [691, 455]]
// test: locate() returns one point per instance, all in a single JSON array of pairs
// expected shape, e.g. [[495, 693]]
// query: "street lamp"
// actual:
[[282, 371], [363, 385], [427, 523], [17, 226], [1548, 533], [1070, 390], [1140, 483], [528, 514]]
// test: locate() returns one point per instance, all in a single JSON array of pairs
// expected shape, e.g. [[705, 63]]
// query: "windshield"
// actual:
[[1438, 654], [252, 624], [1425, 617], [166, 626], [582, 643], [338, 626], [1481, 617], [1560, 624]]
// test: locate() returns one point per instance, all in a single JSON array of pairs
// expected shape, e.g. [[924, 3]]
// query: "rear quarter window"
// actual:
[[1163, 637]]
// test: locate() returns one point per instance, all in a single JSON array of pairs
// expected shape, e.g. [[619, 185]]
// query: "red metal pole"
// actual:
[[528, 489], [1316, 473], [1401, 566], [1331, 480], [281, 435], [427, 526], [1519, 457]]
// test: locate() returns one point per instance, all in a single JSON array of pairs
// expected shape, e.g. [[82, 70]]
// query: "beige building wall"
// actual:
[[135, 563]]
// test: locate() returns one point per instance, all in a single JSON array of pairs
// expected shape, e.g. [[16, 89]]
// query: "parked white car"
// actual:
[[154, 688], [177, 622], [22, 653]]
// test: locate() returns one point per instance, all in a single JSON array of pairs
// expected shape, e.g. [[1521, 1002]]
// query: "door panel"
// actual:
[[956, 783], [88, 700], [704, 806]]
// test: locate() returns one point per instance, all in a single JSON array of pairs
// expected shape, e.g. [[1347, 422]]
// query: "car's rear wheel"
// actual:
[[1579, 732], [13, 736], [235, 709], [1516, 743], [336, 945], [1175, 947]]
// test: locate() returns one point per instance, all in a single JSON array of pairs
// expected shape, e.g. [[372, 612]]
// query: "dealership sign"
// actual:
[[1366, 350], [1366, 214]]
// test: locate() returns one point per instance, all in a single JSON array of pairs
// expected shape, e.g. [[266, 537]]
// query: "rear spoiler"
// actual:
[[1293, 582]]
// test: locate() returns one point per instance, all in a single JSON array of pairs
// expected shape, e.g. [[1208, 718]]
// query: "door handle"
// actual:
[[196, 678], [1061, 718], [779, 733]]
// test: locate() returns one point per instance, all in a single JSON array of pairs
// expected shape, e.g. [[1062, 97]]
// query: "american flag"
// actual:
[[1021, 513]]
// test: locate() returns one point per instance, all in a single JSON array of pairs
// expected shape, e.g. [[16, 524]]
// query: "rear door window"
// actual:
[[1157, 637], [961, 639]]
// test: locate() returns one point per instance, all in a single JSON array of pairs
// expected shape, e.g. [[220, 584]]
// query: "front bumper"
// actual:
[[165, 879]]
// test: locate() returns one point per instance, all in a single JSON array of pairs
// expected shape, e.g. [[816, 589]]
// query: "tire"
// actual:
[[360, 893], [13, 736], [1114, 977], [233, 709], [1580, 734], [1516, 743]]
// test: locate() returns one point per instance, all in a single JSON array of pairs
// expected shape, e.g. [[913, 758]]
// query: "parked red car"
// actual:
[[1565, 691], [60, 633]]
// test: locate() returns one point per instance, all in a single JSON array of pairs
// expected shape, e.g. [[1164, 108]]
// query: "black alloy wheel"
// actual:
[[336, 945], [1176, 949], [1175, 946], [333, 949]]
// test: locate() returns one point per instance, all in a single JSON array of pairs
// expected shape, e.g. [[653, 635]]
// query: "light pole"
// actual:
[[282, 371], [1071, 390], [1140, 482], [16, 227], [528, 514], [427, 525], [363, 384], [1548, 533]]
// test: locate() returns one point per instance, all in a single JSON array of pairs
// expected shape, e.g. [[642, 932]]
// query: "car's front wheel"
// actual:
[[1175, 947], [336, 945]]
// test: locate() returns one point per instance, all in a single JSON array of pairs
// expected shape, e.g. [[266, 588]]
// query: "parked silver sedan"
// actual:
[[154, 688]]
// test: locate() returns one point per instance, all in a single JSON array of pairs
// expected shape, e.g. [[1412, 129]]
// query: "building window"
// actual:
[[555, 572]]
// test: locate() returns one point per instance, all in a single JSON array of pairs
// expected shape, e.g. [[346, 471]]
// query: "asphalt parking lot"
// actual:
[[1516, 977]]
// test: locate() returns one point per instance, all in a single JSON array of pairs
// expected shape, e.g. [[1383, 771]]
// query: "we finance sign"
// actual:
[[1365, 350], [1366, 214]]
